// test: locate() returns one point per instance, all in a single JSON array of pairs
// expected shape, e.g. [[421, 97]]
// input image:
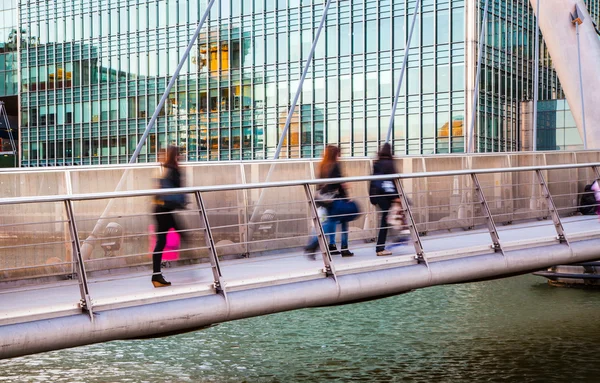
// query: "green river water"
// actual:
[[511, 330]]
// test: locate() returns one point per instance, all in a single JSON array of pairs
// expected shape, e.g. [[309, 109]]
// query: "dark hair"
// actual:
[[385, 152], [171, 157], [330, 157]]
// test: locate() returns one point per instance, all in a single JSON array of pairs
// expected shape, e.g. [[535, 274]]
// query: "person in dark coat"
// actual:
[[587, 203], [383, 194], [164, 213]]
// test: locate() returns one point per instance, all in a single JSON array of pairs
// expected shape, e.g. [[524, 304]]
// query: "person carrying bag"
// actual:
[[383, 194], [340, 209], [164, 207]]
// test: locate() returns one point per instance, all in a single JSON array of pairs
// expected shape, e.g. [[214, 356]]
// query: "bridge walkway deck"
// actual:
[[133, 288]]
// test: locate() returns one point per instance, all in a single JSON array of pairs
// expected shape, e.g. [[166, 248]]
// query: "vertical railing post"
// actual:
[[246, 228], [562, 238], [212, 250], [327, 260], [597, 172], [86, 301], [488, 215], [412, 226]]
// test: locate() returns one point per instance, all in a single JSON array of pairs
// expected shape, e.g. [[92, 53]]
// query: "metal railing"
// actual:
[[218, 220]]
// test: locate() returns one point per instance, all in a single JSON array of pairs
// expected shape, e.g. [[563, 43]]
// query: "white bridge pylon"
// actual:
[[560, 35]]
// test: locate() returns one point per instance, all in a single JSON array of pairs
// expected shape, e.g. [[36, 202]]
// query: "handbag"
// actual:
[[324, 199], [396, 217], [345, 210]]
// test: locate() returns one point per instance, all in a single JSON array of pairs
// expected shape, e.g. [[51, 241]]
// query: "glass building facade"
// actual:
[[8, 48], [556, 127], [92, 73]]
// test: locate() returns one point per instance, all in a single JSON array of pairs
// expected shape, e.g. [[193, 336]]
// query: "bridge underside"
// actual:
[[126, 308]]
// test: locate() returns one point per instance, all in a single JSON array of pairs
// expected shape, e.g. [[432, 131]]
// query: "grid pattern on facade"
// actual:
[[93, 72], [507, 74], [8, 48], [556, 127]]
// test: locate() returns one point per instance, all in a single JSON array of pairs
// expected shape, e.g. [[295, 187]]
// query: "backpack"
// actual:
[[380, 188]]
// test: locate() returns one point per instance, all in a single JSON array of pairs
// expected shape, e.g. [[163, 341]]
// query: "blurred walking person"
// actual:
[[340, 210], [383, 194], [164, 207]]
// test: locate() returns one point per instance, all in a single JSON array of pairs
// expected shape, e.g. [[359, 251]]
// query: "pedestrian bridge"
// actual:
[[75, 255]]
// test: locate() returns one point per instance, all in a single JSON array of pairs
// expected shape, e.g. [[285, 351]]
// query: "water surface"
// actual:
[[512, 330]]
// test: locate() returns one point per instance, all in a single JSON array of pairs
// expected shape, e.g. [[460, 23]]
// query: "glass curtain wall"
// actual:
[[9, 36], [507, 72], [556, 127], [92, 73]]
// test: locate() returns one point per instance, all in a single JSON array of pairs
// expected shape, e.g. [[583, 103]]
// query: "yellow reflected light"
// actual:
[[457, 128]]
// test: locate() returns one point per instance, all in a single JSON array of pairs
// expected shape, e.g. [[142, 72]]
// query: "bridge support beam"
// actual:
[[412, 226], [86, 301], [560, 231], [327, 260], [212, 250], [488, 216]]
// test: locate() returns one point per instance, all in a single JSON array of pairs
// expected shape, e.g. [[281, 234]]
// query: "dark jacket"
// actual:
[[587, 202], [376, 189], [173, 175], [337, 188], [171, 179]]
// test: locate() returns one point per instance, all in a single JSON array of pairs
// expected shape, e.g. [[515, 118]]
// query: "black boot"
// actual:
[[159, 281], [310, 251], [347, 253], [333, 249]]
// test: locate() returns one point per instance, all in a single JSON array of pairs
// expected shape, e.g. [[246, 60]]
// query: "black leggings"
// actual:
[[384, 205], [165, 220]]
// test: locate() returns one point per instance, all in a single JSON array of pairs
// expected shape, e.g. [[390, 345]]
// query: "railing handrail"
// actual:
[[278, 184]]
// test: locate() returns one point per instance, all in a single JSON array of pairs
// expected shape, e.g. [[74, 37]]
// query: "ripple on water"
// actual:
[[516, 329]]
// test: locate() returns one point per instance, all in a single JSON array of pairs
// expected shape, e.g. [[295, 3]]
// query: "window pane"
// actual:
[[428, 79], [443, 83], [458, 25], [344, 40], [427, 29], [442, 27], [384, 35], [357, 38], [398, 33], [332, 40], [372, 36], [458, 77], [413, 78]]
